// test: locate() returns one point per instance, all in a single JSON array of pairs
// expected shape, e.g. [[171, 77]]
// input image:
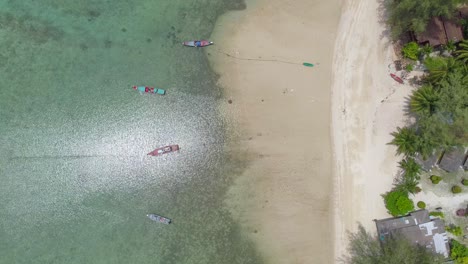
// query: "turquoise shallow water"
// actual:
[[76, 183]]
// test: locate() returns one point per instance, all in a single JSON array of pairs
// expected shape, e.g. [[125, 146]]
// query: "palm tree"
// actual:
[[439, 68], [410, 15], [408, 181], [411, 168], [406, 141], [424, 100], [462, 53]]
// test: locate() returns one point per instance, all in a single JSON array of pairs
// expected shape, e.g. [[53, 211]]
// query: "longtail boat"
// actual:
[[164, 150], [197, 43], [147, 89]]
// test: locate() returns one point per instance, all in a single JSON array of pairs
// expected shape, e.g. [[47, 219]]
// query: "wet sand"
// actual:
[[316, 138], [280, 115]]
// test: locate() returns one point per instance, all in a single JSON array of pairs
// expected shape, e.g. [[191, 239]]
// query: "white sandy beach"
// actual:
[[367, 106], [296, 200]]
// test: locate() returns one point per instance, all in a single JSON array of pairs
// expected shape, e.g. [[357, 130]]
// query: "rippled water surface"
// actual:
[[75, 181]]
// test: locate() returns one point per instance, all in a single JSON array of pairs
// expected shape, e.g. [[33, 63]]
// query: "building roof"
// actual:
[[463, 11], [430, 162], [453, 30], [439, 31], [434, 34], [452, 160], [418, 228]]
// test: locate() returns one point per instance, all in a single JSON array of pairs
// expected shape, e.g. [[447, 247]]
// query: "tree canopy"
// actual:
[[398, 203], [364, 248], [440, 107], [458, 252], [414, 15]]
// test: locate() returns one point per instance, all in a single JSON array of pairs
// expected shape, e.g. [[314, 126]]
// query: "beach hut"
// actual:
[[428, 163], [439, 31], [434, 34], [463, 12], [453, 30], [453, 159]]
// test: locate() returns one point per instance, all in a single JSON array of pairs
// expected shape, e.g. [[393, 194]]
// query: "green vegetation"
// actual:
[[411, 168], [458, 252], [462, 53], [421, 205], [424, 100], [456, 189], [425, 50], [410, 15], [398, 203], [435, 179], [365, 248], [464, 24], [465, 182], [411, 51], [437, 214], [408, 181], [406, 141], [439, 68], [450, 46], [440, 107], [456, 230], [409, 67]]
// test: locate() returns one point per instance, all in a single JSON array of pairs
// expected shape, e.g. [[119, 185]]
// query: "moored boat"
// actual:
[[396, 78], [159, 219], [197, 43], [147, 89], [164, 150]]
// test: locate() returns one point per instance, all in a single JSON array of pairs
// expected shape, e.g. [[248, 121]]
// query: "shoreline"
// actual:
[[279, 113], [367, 105]]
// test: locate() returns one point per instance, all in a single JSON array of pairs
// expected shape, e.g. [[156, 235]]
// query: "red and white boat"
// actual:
[[197, 43], [396, 78], [164, 150]]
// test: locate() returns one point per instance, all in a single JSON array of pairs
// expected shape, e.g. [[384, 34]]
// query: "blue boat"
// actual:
[[147, 89]]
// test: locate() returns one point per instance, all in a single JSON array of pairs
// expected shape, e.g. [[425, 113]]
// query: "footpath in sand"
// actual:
[[281, 112], [367, 105]]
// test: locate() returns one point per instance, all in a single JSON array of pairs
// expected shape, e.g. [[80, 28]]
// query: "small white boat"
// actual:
[[159, 219]]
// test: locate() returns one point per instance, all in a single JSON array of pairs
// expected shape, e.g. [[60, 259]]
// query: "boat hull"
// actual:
[[197, 43], [396, 78], [147, 89], [164, 150], [159, 219]]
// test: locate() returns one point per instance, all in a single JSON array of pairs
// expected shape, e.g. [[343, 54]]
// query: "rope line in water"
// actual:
[[66, 157], [307, 64]]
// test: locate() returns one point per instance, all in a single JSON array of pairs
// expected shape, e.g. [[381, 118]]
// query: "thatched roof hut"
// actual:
[[434, 34], [453, 30], [439, 31], [463, 11]]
